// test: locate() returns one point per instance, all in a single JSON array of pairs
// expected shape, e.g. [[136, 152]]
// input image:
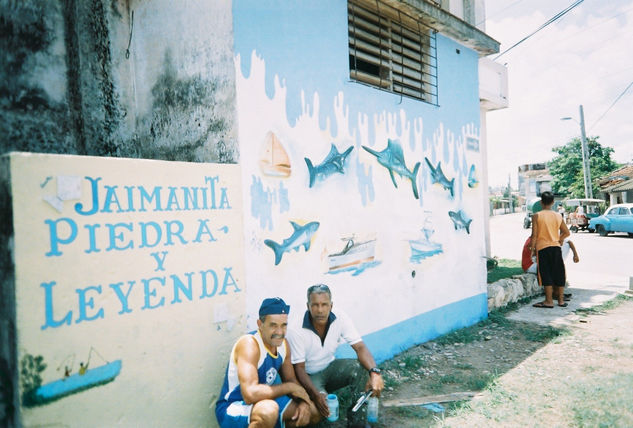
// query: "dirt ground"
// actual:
[[523, 374]]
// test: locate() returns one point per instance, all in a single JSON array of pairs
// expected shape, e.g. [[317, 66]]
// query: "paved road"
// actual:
[[605, 267]]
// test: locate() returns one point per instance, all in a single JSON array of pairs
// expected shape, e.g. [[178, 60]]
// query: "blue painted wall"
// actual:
[[304, 50]]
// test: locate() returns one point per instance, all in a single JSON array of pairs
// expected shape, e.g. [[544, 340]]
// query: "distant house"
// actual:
[[533, 180], [617, 186]]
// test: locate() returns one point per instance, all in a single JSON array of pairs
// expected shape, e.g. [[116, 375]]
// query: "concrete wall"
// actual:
[[293, 88], [143, 79], [133, 268]]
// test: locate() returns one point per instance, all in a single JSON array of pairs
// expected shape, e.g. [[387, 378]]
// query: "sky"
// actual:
[[585, 58]]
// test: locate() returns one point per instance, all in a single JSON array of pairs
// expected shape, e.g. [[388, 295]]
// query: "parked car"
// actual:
[[618, 218]]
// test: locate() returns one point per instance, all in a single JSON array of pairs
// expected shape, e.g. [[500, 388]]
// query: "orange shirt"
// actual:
[[548, 229]]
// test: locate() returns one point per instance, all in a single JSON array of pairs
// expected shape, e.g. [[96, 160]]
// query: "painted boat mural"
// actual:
[[78, 382], [354, 253]]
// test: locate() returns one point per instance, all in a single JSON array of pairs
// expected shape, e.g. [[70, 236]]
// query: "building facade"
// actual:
[[357, 128]]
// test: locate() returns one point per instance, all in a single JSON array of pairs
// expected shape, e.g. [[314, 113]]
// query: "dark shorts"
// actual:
[[551, 268]]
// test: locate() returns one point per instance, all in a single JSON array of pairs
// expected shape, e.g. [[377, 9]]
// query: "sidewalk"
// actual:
[[602, 273]]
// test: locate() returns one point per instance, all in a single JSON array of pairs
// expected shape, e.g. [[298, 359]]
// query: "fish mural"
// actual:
[[333, 162], [460, 221], [472, 178], [301, 237], [437, 176], [423, 247], [392, 158]]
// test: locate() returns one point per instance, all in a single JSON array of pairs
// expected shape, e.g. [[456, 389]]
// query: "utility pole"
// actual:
[[585, 157]]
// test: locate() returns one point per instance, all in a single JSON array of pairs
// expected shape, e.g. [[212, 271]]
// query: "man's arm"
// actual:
[[366, 359], [246, 357], [573, 250], [564, 232], [287, 373], [533, 237], [304, 378]]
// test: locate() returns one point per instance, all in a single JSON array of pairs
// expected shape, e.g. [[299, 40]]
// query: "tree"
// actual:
[[566, 167]]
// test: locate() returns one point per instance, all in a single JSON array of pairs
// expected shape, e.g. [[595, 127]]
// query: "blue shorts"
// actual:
[[237, 414]]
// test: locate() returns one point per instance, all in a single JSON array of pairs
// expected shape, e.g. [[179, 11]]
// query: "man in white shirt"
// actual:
[[314, 343]]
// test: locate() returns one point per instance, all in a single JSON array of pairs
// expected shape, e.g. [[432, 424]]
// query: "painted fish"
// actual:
[[460, 220], [437, 176], [472, 178], [301, 236], [333, 162], [392, 158]]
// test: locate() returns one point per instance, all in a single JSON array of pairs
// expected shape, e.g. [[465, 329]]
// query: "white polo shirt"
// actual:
[[306, 345]]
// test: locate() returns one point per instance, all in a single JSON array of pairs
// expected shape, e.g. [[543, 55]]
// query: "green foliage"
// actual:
[[566, 167], [30, 370], [505, 268]]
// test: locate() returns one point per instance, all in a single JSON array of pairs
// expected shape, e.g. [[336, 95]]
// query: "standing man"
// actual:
[[252, 394], [313, 344], [548, 234]]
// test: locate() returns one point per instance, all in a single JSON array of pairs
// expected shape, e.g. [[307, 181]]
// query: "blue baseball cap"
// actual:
[[273, 306]]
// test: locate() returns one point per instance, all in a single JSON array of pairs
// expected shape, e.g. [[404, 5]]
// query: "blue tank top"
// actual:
[[268, 368]]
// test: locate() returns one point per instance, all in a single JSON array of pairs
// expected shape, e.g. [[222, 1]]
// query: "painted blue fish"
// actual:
[[300, 237], [392, 158], [472, 178], [460, 220], [437, 176], [333, 162]]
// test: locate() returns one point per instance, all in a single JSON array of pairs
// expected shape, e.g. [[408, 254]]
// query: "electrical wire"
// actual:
[[548, 22], [611, 106]]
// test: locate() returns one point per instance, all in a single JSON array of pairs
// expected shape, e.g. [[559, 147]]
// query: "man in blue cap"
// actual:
[[252, 394]]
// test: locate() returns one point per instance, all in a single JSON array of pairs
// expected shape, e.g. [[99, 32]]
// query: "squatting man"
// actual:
[[260, 388], [313, 344]]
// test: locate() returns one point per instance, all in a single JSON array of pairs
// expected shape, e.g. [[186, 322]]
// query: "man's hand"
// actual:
[[375, 383], [321, 404], [298, 392], [576, 259], [301, 417]]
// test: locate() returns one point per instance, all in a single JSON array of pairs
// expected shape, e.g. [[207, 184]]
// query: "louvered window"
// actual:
[[391, 50]]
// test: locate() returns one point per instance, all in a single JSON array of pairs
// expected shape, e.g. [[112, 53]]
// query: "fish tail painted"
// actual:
[[311, 171], [468, 226], [277, 249], [451, 187], [414, 181]]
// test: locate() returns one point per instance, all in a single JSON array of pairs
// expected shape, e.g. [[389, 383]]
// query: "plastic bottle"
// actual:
[[332, 404], [372, 410]]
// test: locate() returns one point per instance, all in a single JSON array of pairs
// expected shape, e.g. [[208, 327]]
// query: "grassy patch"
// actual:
[[589, 407], [505, 268], [609, 304]]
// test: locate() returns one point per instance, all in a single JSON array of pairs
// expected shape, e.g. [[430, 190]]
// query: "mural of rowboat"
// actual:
[[78, 382]]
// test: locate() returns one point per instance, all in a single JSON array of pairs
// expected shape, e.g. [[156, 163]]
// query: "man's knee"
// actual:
[[264, 414]]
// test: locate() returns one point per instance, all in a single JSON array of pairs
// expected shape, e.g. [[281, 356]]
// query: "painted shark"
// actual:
[[392, 158], [301, 236], [459, 220], [437, 176], [472, 177], [333, 162]]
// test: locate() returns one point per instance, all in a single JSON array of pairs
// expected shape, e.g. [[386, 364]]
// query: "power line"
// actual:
[[612, 104], [548, 22]]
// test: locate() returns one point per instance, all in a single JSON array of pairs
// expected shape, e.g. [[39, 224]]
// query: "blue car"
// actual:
[[617, 218]]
